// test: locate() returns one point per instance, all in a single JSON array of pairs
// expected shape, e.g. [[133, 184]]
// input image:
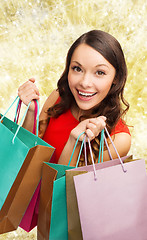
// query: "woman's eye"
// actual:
[[100, 73], [76, 69]]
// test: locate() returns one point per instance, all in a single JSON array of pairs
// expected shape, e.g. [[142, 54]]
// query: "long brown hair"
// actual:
[[114, 104]]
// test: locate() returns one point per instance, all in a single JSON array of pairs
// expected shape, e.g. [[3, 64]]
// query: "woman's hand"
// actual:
[[27, 92], [92, 127]]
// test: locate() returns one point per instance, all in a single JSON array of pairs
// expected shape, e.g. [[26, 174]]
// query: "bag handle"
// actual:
[[115, 150], [8, 109], [85, 154], [75, 148], [22, 117], [121, 162], [103, 137], [108, 148], [90, 149], [101, 149], [95, 177], [36, 118], [17, 111]]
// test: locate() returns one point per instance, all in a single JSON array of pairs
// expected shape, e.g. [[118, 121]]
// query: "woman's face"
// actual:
[[90, 77]]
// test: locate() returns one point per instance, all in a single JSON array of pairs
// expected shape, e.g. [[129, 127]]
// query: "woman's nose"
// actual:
[[86, 81]]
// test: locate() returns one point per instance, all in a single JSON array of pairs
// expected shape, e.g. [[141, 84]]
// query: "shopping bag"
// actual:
[[53, 209], [74, 226], [30, 218], [52, 218], [20, 170], [112, 202], [48, 176]]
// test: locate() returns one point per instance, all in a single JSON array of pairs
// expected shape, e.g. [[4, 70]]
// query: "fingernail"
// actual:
[[92, 135]]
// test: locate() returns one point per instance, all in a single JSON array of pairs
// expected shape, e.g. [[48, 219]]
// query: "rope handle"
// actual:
[[101, 149], [90, 149], [17, 115], [8, 109], [75, 148], [35, 128], [85, 151], [94, 169], [17, 111], [121, 162], [103, 138]]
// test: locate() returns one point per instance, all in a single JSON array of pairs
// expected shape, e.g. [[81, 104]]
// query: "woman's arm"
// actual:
[[122, 142]]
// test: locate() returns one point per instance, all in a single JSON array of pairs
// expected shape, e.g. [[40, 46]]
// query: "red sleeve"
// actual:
[[120, 127]]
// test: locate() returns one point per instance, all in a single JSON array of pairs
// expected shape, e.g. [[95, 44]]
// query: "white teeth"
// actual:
[[86, 94]]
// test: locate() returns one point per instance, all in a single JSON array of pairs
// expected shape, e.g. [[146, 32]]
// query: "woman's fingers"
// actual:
[[28, 91], [32, 80], [28, 87], [34, 85], [92, 127], [90, 134], [28, 94], [95, 126]]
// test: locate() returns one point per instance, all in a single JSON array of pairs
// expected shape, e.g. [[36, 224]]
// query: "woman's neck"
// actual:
[[77, 112]]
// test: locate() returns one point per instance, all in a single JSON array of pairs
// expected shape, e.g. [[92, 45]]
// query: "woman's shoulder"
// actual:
[[50, 101], [52, 98]]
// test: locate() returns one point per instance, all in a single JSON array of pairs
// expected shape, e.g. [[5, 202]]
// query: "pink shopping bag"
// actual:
[[29, 220], [112, 202]]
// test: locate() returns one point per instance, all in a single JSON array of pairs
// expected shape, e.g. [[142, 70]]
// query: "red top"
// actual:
[[58, 131]]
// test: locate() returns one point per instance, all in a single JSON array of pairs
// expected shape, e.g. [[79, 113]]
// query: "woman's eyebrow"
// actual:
[[77, 63], [99, 65]]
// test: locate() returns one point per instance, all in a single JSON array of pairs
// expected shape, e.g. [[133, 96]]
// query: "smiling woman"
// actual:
[[88, 98], [34, 39], [90, 77]]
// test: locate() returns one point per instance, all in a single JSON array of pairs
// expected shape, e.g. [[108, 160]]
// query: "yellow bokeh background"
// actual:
[[35, 36]]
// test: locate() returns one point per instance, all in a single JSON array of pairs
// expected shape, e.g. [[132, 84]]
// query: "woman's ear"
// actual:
[[114, 81]]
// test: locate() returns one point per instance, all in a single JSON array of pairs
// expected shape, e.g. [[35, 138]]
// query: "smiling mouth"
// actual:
[[84, 94]]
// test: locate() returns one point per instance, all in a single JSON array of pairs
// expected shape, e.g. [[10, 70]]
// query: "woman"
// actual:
[[89, 96]]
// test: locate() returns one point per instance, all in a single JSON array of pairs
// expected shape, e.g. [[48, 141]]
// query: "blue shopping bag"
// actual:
[[52, 221], [21, 157]]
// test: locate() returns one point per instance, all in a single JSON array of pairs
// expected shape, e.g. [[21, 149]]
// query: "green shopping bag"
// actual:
[[52, 207], [52, 221], [17, 148], [59, 223]]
